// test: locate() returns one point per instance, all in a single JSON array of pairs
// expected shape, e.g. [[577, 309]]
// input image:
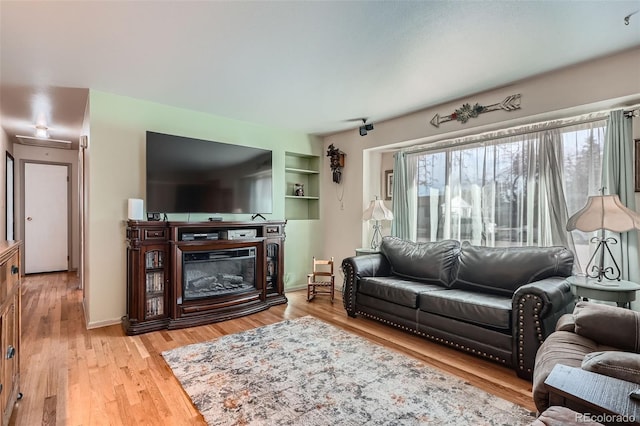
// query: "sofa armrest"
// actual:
[[608, 325], [537, 307], [370, 265], [621, 365]]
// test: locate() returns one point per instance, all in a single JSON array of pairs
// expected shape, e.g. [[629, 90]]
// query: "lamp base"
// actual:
[[376, 240], [600, 271]]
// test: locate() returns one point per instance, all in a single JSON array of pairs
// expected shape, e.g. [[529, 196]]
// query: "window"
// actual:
[[510, 191]]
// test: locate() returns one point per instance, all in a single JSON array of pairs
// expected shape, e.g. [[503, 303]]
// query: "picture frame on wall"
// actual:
[[637, 164], [388, 184]]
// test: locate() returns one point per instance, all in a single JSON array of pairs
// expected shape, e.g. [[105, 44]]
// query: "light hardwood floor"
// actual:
[[73, 376]]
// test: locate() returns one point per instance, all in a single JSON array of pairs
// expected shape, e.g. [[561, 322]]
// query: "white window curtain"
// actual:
[[404, 196], [511, 188]]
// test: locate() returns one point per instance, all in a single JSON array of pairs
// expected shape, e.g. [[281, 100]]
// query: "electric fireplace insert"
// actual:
[[217, 273]]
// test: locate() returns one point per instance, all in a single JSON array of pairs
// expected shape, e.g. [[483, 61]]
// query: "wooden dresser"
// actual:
[[9, 327]]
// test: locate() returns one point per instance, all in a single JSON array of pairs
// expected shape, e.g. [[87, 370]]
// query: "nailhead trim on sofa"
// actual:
[[434, 338], [347, 299], [529, 298]]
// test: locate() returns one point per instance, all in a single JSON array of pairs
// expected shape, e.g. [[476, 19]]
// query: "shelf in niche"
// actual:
[[303, 169], [302, 197]]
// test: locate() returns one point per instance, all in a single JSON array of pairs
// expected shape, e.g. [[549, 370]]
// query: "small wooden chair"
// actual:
[[322, 277]]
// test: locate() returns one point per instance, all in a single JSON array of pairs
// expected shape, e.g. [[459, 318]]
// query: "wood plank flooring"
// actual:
[[78, 377]]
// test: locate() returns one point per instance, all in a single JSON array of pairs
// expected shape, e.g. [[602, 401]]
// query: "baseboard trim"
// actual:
[[296, 288], [105, 323]]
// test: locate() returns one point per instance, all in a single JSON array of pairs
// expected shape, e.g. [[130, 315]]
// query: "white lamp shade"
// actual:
[[604, 212], [377, 211]]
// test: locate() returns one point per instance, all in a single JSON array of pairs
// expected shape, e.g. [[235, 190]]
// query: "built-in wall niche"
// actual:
[[302, 190]]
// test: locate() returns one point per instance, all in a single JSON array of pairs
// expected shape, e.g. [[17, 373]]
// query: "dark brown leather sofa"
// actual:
[[497, 303]]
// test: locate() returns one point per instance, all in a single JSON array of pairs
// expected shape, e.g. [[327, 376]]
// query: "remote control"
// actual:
[[635, 394]]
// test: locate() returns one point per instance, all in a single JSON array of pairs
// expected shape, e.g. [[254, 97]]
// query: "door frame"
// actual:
[[23, 196], [10, 197]]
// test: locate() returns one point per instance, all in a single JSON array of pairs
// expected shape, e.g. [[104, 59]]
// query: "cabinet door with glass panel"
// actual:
[[155, 275]]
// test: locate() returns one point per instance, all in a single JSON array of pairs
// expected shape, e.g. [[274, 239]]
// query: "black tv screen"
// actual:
[[186, 175]]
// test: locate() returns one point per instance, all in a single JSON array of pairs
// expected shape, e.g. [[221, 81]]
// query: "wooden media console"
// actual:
[[183, 274]]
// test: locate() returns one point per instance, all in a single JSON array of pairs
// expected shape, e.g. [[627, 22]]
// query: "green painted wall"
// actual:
[[116, 172]]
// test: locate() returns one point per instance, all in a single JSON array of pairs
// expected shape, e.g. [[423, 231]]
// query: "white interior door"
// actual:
[[46, 236]]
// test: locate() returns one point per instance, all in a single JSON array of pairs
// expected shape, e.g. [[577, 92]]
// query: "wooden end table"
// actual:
[[605, 397], [622, 292]]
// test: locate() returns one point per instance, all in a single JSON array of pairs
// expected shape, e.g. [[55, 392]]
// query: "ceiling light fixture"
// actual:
[[42, 131], [365, 127]]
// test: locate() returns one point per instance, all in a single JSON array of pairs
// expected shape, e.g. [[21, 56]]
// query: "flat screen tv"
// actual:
[[186, 175]]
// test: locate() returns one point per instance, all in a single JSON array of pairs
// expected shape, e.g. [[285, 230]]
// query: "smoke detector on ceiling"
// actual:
[[43, 142]]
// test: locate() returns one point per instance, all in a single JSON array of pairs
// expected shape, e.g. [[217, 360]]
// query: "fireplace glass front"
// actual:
[[218, 273]]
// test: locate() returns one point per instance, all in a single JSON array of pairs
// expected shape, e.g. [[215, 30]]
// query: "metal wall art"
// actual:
[[467, 111]]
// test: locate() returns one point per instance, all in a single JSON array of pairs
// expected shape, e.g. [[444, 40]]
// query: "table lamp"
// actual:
[[604, 212], [377, 212]]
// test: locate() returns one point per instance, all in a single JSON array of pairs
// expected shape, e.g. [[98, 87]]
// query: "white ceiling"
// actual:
[[310, 66]]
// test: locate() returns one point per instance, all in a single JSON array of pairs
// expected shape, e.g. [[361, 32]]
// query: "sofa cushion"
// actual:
[[395, 289], [431, 263], [477, 308], [502, 270]]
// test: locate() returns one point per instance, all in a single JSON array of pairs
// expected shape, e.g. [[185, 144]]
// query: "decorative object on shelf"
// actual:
[[152, 216], [298, 190], [366, 127], [464, 113], [388, 184], [604, 212], [336, 162], [377, 212]]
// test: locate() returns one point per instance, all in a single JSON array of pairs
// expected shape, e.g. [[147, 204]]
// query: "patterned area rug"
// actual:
[[307, 372]]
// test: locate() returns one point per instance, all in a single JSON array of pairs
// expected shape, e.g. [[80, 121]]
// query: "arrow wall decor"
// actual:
[[467, 111]]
